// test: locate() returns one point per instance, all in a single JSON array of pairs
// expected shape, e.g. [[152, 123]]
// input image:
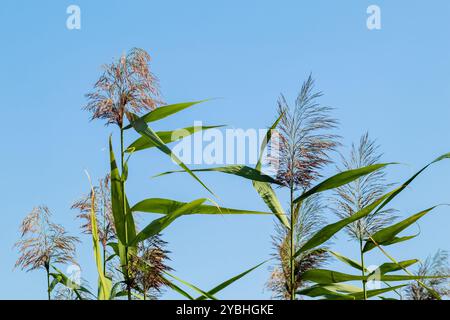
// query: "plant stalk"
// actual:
[[292, 249], [47, 269], [363, 268], [122, 162]]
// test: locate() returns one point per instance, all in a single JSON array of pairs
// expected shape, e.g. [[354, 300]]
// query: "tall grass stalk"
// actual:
[[304, 145], [351, 198], [126, 86]]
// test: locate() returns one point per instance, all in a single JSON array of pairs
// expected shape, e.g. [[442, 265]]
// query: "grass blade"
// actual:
[[166, 137], [156, 226], [225, 284], [141, 127], [165, 111], [167, 206], [237, 170], [330, 230], [341, 179], [387, 235]]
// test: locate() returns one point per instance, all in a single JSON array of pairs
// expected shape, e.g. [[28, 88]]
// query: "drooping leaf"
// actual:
[[157, 225], [193, 287], [370, 245], [167, 206], [141, 127], [237, 170], [176, 288], [225, 284], [165, 111], [264, 189], [391, 267], [352, 263], [388, 234], [270, 198], [166, 137]]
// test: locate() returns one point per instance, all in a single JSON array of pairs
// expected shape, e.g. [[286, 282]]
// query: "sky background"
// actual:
[[393, 82]]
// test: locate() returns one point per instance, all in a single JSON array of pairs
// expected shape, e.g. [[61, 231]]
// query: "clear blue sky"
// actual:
[[394, 82]]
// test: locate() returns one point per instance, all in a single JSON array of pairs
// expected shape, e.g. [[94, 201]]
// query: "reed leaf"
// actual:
[[323, 276], [230, 281], [165, 111], [156, 226], [270, 198], [121, 218], [193, 287], [141, 127], [328, 231], [264, 189], [166, 137], [167, 206], [350, 262], [341, 179], [176, 288], [392, 267], [335, 289], [237, 170], [387, 235], [407, 182], [368, 294], [105, 285], [340, 291]]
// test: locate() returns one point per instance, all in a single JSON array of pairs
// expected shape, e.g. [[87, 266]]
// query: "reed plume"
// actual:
[[438, 266], [147, 267], [305, 140], [352, 197], [43, 243], [127, 85]]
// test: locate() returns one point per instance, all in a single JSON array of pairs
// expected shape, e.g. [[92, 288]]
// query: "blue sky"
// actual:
[[393, 82]]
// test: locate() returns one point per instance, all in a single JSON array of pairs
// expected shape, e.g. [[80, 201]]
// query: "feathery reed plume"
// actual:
[[302, 151], [147, 267], [304, 139], [308, 219], [356, 195], [103, 212], [437, 265], [352, 197], [44, 243], [126, 85]]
